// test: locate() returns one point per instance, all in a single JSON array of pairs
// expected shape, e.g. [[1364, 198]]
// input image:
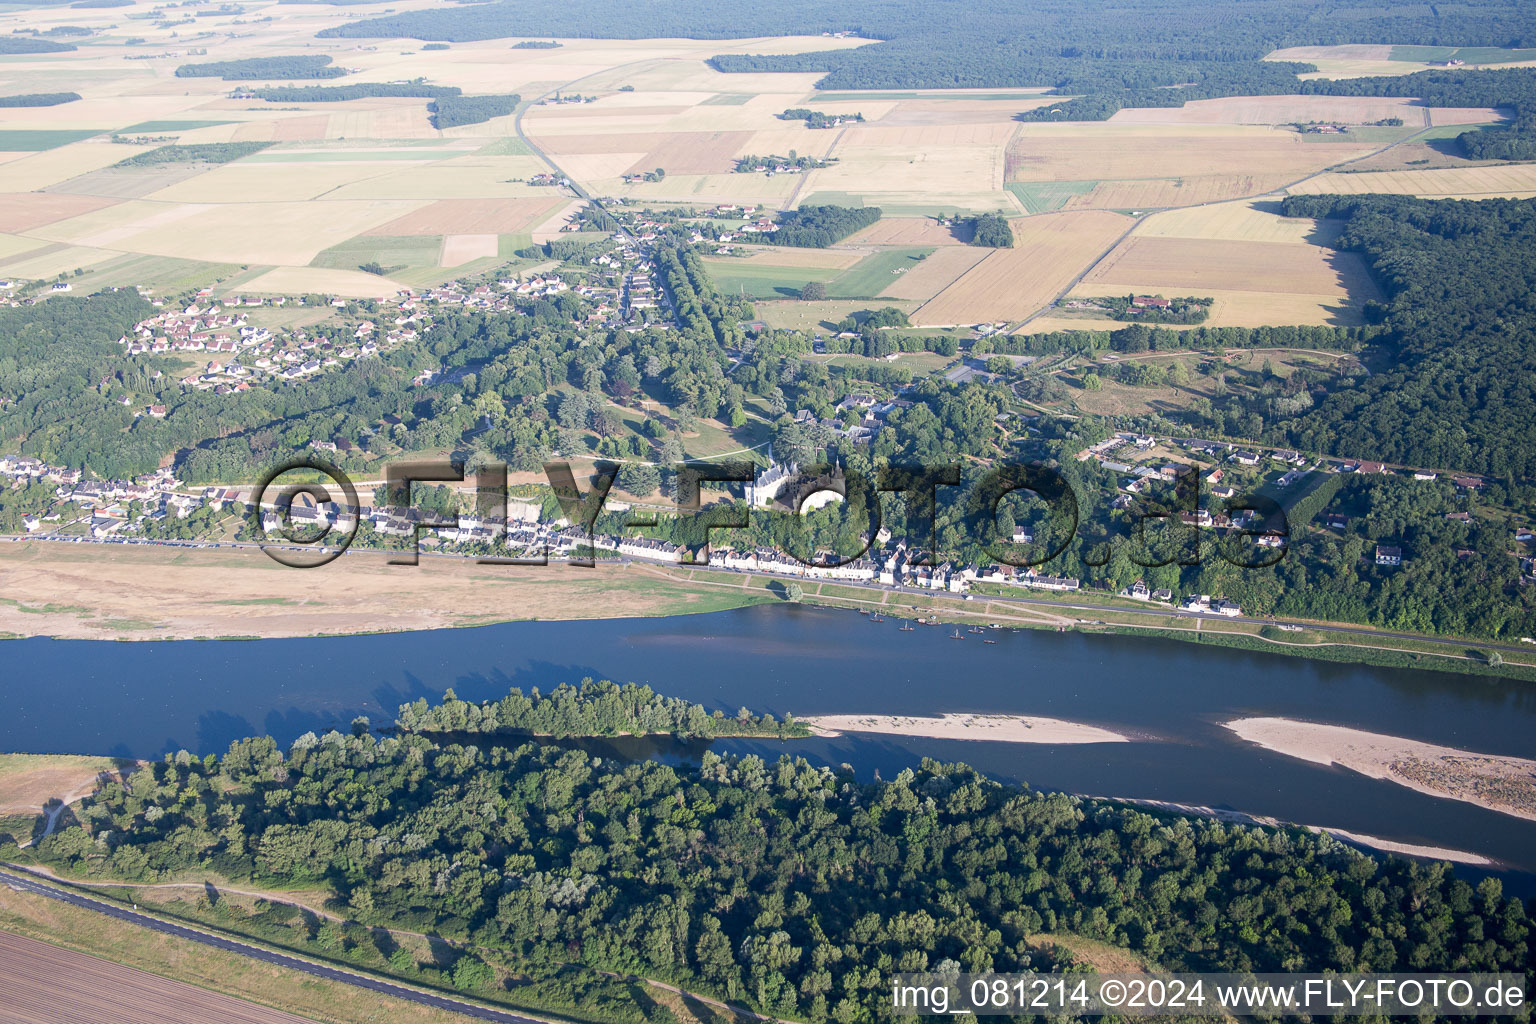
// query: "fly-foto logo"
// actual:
[[314, 533]]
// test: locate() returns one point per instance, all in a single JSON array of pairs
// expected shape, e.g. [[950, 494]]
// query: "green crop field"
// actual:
[[727, 99], [158, 127], [1045, 196], [163, 274], [30, 140], [386, 250], [1470, 54], [874, 274], [864, 280]]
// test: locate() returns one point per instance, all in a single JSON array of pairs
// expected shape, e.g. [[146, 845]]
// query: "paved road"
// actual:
[[25, 882]]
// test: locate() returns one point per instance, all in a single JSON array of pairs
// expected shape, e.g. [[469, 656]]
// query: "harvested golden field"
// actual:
[[1197, 266], [1249, 221], [926, 138], [126, 182], [1515, 180], [45, 984], [781, 140], [1466, 115], [25, 211], [905, 231], [485, 216], [550, 226], [592, 168], [922, 112], [39, 170], [718, 188], [266, 182], [1009, 284], [460, 249], [15, 245], [54, 260], [465, 177], [693, 153], [1160, 193], [938, 271], [279, 233], [1249, 308], [575, 145], [965, 176], [1050, 152], [350, 284], [1270, 110]]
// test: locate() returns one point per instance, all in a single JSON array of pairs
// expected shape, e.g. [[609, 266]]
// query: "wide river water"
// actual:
[[143, 699]]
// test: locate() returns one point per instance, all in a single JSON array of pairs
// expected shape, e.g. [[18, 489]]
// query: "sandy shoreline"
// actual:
[[1357, 838], [1495, 782], [997, 728], [125, 592]]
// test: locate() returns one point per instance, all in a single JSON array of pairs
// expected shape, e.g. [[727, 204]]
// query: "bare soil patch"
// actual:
[[472, 216], [23, 211]]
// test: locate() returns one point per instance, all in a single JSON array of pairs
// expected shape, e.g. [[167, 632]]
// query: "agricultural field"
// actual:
[[794, 315], [1254, 283], [342, 172], [847, 274], [1260, 267], [1009, 284], [370, 181], [1277, 110], [1359, 60], [1466, 181], [99, 990]]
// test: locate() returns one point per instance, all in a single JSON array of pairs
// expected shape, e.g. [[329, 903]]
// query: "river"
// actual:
[[143, 699]]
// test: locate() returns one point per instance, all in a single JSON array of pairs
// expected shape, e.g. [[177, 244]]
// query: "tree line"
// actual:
[[594, 708], [454, 111], [363, 90], [39, 99], [794, 889], [816, 227], [257, 68]]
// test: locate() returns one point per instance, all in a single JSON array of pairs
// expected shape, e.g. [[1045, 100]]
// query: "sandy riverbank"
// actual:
[[998, 728], [1357, 838], [1496, 782], [122, 592]]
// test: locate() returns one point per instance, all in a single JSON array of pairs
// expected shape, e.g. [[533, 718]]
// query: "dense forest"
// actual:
[[1068, 44], [363, 90], [991, 230], [453, 111], [1460, 279], [14, 45], [591, 709], [202, 152], [257, 68], [39, 99], [816, 227], [791, 888], [1511, 88]]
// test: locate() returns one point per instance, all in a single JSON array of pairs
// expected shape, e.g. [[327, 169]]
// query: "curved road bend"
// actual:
[[25, 883]]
